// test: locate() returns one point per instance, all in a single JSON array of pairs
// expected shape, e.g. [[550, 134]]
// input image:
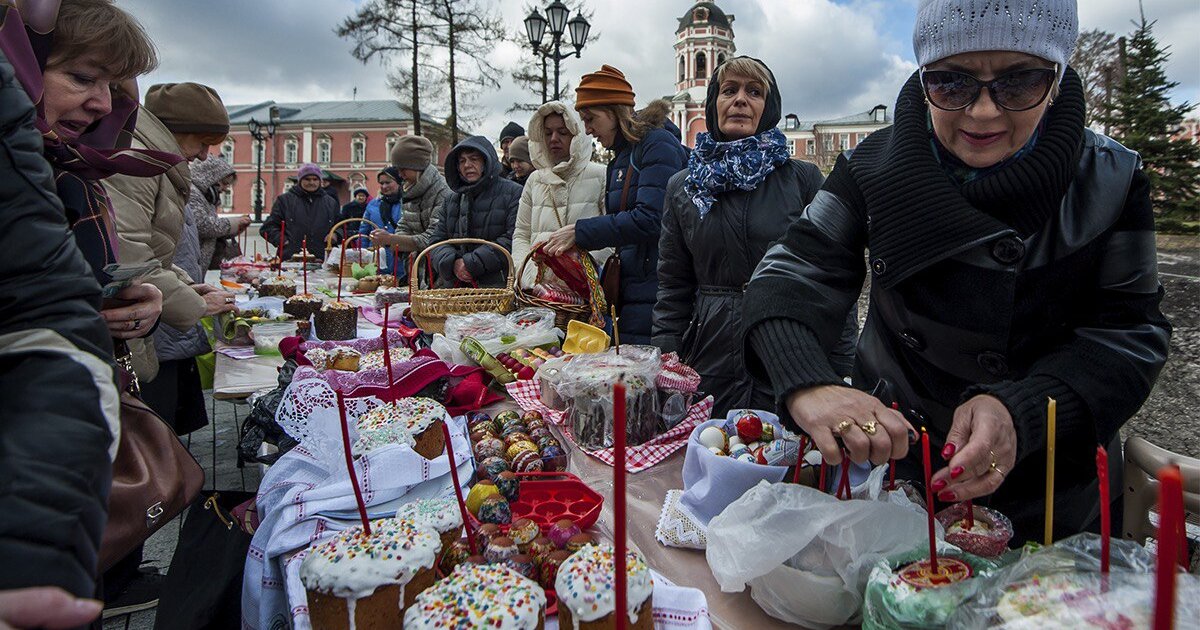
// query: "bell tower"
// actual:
[[703, 41]]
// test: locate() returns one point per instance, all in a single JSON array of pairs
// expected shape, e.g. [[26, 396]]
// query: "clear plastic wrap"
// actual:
[[1061, 586], [481, 326], [531, 319], [267, 336], [892, 603], [587, 383], [551, 375]]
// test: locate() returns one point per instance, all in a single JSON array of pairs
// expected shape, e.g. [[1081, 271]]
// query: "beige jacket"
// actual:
[[150, 218], [557, 195]]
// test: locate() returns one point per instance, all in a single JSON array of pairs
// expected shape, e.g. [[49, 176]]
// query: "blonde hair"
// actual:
[[100, 29], [634, 125], [748, 68]]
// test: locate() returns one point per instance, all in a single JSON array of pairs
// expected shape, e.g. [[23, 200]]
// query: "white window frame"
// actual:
[[392, 139], [358, 150], [324, 151], [810, 147], [291, 151], [828, 142], [791, 146], [844, 141], [227, 150]]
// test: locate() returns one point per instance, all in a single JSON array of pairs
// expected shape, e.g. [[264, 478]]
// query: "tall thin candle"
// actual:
[[387, 353], [799, 459], [621, 612], [396, 264], [612, 309], [821, 477], [462, 505], [1170, 515], [279, 252], [929, 499], [358, 498], [304, 244], [970, 515], [342, 268], [1105, 508], [1051, 430]]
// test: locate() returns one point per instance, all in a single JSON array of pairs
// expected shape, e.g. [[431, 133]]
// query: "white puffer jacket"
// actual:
[[557, 195]]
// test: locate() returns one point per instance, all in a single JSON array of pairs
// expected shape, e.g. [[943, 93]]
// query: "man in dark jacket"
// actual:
[[482, 205], [308, 212], [352, 210], [511, 132], [57, 381]]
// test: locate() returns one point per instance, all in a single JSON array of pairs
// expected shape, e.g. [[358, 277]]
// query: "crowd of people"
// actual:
[[1010, 250]]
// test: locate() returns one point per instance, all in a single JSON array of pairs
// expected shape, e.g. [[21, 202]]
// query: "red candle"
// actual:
[[396, 264], [1170, 515], [929, 499], [799, 459], [387, 354], [304, 244], [621, 612], [892, 462], [1105, 508], [341, 267], [358, 498], [282, 231], [821, 481], [844, 481], [462, 505], [970, 515]]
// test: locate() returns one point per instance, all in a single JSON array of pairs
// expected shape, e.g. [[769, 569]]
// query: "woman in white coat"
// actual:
[[567, 185]]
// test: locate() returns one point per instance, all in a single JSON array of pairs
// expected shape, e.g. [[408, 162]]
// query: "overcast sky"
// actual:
[[831, 57]]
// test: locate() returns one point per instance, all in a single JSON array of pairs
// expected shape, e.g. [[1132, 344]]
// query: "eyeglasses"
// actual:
[[1015, 91]]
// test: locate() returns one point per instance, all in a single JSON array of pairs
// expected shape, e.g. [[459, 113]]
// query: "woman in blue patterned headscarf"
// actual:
[[738, 195]]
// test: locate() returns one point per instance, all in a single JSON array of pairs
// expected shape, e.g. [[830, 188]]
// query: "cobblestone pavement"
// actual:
[[1170, 418]]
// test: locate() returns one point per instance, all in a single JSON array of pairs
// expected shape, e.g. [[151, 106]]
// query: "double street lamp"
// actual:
[[261, 133], [556, 19]]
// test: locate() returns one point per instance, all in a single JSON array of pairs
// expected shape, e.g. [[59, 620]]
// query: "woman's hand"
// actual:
[[381, 238], [45, 607], [461, 271], [562, 240], [217, 302], [869, 430], [241, 225], [132, 321], [981, 448]]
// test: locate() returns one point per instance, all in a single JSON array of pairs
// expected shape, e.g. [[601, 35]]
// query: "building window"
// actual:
[[861, 136], [227, 199], [810, 147], [720, 58], [682, 69], [324, 150], [844, 141], [358, 150], [701, 66], [828, 143], [291, 151], [701, 14], [357, 180], [227, 150], [392, 139], [791, 147]]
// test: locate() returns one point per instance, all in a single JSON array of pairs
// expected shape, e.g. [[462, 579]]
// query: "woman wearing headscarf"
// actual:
[[385, 211], [738, 194], [1013, 262], [645, 156], [565, 187]]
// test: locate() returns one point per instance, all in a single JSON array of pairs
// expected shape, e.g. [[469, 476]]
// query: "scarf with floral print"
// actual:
[[716, 167]]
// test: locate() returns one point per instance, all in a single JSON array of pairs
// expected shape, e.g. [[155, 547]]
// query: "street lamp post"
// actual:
[[556, 19], [261, 133]]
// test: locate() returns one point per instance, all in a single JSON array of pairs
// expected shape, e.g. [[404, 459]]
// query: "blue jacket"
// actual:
[[375, 215], [634, 231]]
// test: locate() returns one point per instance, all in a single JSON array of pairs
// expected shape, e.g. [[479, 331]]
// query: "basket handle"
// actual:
[[412, 272], [333, 231]]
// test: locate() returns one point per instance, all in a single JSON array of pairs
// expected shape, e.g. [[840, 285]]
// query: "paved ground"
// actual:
[[1170, 418]]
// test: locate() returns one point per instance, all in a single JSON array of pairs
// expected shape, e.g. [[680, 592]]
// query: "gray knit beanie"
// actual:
[[1043, 28], [412, 152]]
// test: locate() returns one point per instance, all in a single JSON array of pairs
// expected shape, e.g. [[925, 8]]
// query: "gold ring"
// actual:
[[993, 465], [842, 426], [868, 428]]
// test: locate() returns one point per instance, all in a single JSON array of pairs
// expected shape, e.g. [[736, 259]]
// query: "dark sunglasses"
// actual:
[[1015, 91]]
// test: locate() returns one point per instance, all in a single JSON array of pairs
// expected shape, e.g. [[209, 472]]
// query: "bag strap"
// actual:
[[628, 177]]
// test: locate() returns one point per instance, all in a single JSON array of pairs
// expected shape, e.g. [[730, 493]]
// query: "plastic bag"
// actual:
[[805, 554], [531, 319], [481, 326], [1061, 586], [587, 383], [358, 255], [890, 603]]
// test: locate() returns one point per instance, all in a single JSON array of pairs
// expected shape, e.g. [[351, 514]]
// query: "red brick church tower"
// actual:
[[703, 41]]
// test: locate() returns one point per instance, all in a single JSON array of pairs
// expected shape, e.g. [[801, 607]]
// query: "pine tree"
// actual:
[[1142, 118]]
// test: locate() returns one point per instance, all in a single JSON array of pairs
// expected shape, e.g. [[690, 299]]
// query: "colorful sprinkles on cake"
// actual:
[[585, 583], [374, 359], [354, 564], [474, 596], [440, 514], [381, 426]]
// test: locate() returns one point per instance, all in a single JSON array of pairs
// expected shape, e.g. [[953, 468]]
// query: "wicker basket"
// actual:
[[430, 307], [563, 313], [346, 267]]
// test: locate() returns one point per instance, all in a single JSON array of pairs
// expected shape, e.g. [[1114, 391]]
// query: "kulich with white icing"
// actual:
[[381, 426], [374, 358], [442, 515], [421, 413], [585, 583], [352, 564], [479, 596]]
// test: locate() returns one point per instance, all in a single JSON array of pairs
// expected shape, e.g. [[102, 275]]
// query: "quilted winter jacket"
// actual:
[[557, 195], [58, 423], [149, 221], [422, 207], [635, 230], [206, 176], [486, 209]]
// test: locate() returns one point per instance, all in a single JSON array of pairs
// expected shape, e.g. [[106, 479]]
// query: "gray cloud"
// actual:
[[831, 58]]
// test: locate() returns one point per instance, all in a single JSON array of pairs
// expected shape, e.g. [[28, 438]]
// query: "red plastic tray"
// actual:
[[547, 497]]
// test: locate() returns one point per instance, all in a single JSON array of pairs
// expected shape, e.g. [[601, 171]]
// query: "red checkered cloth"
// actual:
[[528, 396]]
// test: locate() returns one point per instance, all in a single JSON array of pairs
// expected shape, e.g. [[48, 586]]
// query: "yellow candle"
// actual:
[[1051, 429]]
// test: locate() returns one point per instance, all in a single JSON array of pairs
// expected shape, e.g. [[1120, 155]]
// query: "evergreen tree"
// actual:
[[1142, 118]]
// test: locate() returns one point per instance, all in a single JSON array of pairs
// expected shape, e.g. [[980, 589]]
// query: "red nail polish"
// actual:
[[946, 497], [955, 472], [948, 451], [939, 484]]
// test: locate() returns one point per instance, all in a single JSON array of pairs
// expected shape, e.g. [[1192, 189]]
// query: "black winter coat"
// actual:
[[308, 215], [703, 268], [1035, 281], [57, 376], [486, 209], [634, 230]]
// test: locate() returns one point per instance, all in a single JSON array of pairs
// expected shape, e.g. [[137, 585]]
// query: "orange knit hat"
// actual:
[[606, 86]]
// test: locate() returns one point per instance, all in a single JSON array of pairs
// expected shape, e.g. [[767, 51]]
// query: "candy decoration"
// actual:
[[512, 437], [495, 510], [1170, 522], [485, 534], [477, 416], [523, 531], [768, 431], [500, 549], [509, 486], [750, 427], [507, 415], [553, 458], [493, 466], [523, 445], [358, 498], [456, 554], [462, 505], [532, 415], [527, 461], [523, 564], [550, 565], [540, 547], [1051, 430], [579, 541], [482, 490], [562, 531], [488, 446], [619, 516]]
